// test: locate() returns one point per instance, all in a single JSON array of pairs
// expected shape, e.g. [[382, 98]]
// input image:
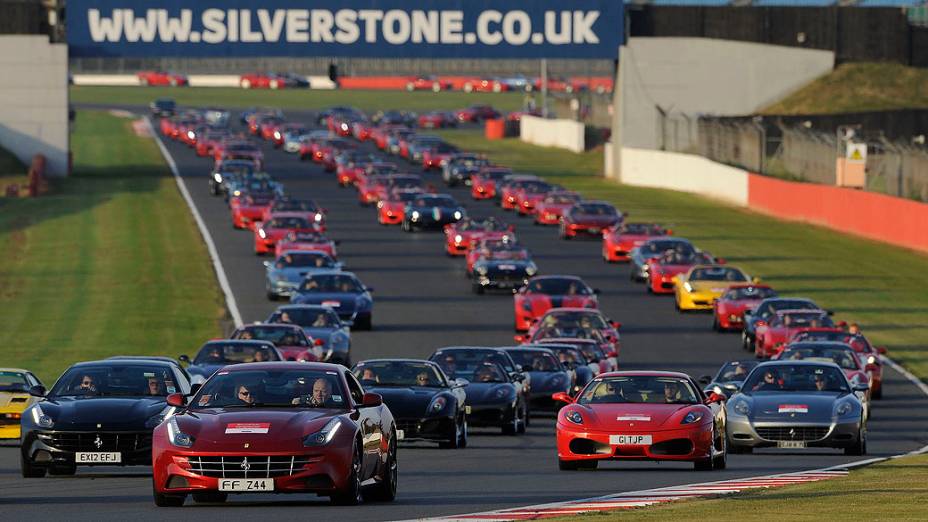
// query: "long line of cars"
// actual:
[[275, 407]]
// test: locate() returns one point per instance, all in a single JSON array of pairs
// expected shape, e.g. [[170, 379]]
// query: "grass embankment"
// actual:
[[864, 281], [109, 262], [12, 171], [858, 87], [304, 99], [892, 490]]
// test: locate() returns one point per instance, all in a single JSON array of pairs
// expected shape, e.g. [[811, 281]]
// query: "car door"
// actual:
[[369, 421]]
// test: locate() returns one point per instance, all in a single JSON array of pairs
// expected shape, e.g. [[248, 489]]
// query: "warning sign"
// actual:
[[856, 153]]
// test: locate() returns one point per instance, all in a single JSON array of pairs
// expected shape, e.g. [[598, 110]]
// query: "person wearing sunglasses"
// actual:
[[244, 394], [86, 385]]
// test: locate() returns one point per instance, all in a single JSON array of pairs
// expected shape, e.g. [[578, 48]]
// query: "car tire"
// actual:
[[351, 494], [478, 289], [210, 497], [410, 87], [860, 445], [385, 491], [720, 461], [462, 440], [246, 83], [173, 82], [63, 470], [365, 323], [525, 420], [29, 470], [454, 439], [716, 327], [271, 296], [468, 87], [703, 464], [511, 427], [274, 84], [877, 393], [164, 500], [436, 87]]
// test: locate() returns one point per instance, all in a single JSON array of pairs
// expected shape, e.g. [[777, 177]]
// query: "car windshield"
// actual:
[[306, 317], [642, 229], [769, 308], [405, 182], [399, 373], [815, 319], [535, 360], [13, 382], [717, 273], [115, 380], [307, 237], [468, 363], [332, 283], [557, 286], [305, 260], [568, 355], [296, 388], [749, 292], [735, 371], [536, 186], [234, 353], [843, 356], [658, 247], [644, 389], [806, 378], [294, 205], [287, 222], [435, 201], [279, 335], [594, 209], [495, 175], [582, 320]]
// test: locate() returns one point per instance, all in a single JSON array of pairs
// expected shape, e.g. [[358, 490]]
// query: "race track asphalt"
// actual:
[[422, 302]]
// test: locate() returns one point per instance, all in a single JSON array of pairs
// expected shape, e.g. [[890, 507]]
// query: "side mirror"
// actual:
[[460, 383], [369, 288], [612, 354], [519, 338], [184, 359], [194, 388], [615, 324], [371, 399], [720, 260], [318, 342], [715, 398], [755, 280], [38, 391], [562, 397], [518, 376], [862, 387], [881, 350], [177, 400], [704, 380], [267, 264]]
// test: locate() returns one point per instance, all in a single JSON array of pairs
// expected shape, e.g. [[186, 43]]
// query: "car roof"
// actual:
[[144, 358], [530, 347], [169, 363], [398, 360], [237, 341], [643, 373], [792, 362], [284, 365], [17, 370], [819, 344]]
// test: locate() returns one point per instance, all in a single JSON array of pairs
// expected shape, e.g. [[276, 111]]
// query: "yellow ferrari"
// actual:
[[14, 399], [703, 284]]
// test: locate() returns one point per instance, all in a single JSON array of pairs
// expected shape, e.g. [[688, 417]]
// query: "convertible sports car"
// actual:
[[460, 167], [664, 269], [249, 204], [291, 342], [578, 323], [432, 211], [589, 217], [543, 293], [282, 224], [548, 375], [322, 324], [219, 353], [343, 292], [306, 241], [467, 233], [277, 428], [870, 355], [503, 269], [284, 274], [574, 360], [729, 378], [297, 207], [653, 248], [620, 240], [495, 395], [780, 329], [641, 416], [391, 209], [761, 314], [288, 132], [414, 146], [728, 310], [698, 288], [426, 405], [550, 210], [483, 184], [14, 399], [163, 107], [794, 405], [98, 413], [841, 354]]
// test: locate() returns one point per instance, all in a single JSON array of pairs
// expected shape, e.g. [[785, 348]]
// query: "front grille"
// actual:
[[257, 466], [127, 442], [793, 433]]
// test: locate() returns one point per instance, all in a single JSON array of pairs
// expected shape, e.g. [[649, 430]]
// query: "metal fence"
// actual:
[[799, 151]]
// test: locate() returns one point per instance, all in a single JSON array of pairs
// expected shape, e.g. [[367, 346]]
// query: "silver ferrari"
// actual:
[[797, 404]]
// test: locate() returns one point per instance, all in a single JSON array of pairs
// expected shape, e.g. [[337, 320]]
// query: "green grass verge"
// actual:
[[863, 281], [305, 99], [109, 262], [12, 171], [857, 87], [892, 490]]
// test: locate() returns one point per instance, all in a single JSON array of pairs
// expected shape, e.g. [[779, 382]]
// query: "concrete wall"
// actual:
[[565, 134], [686, 173], [34, 100], [705, 76]]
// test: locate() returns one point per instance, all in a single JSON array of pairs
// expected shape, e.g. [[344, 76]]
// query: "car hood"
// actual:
[[715, 287], [635, 416], [786, 407], [16, 401], [285, 426], [486, 392], [298, 273], [409, 401], [111, 413], [345, 301], [205, 370], [549, 382]]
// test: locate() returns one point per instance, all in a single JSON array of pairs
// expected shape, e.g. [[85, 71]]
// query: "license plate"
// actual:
[[630, 440], [400, 434], [791, 444], [82, 457], [507, 267], [467, 410], [333, 304], [246, 485]]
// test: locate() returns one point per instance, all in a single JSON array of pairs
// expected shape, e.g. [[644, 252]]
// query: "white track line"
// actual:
[[231, 304]]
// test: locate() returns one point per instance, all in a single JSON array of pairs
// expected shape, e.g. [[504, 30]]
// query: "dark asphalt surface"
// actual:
[[422, 302]]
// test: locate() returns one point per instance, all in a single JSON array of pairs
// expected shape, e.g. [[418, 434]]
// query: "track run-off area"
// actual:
[[423, 301]]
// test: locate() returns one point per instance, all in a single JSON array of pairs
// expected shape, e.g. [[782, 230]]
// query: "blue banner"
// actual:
[[361, 28]]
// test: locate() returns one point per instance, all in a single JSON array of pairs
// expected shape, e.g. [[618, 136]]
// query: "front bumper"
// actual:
[[697, 300], [502, 282], [491, 415], [683, 444], [58, 447], [743, 432], [427, 428]]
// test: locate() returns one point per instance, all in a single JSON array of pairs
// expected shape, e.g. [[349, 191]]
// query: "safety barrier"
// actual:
[[565, 134], [196, 80], [684, 172]]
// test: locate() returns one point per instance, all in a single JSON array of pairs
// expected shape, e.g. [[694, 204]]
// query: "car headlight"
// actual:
[[325, 435], [741, 407], [318, 217], [218, 177], [458, 238], [262, 233], [481, 269], [871, 359], [344, 126], [574, 417], [502, 393], [41, 419], [458, 214], [190, 134], [415, 215], [159, 417], [688, 287], [531, 269], [692, 417], [177, 437], [438, 404], [843, 409], [276, 135]]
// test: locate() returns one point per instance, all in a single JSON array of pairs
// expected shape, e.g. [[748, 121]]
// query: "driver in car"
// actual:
[[321, 394]]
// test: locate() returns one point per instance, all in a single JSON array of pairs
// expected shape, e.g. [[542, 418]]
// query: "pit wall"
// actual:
[[564, 134], [34, 100]]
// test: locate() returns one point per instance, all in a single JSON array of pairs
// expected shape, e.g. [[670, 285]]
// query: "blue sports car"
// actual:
[[285, 273], [341, 291], [323, 325]]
